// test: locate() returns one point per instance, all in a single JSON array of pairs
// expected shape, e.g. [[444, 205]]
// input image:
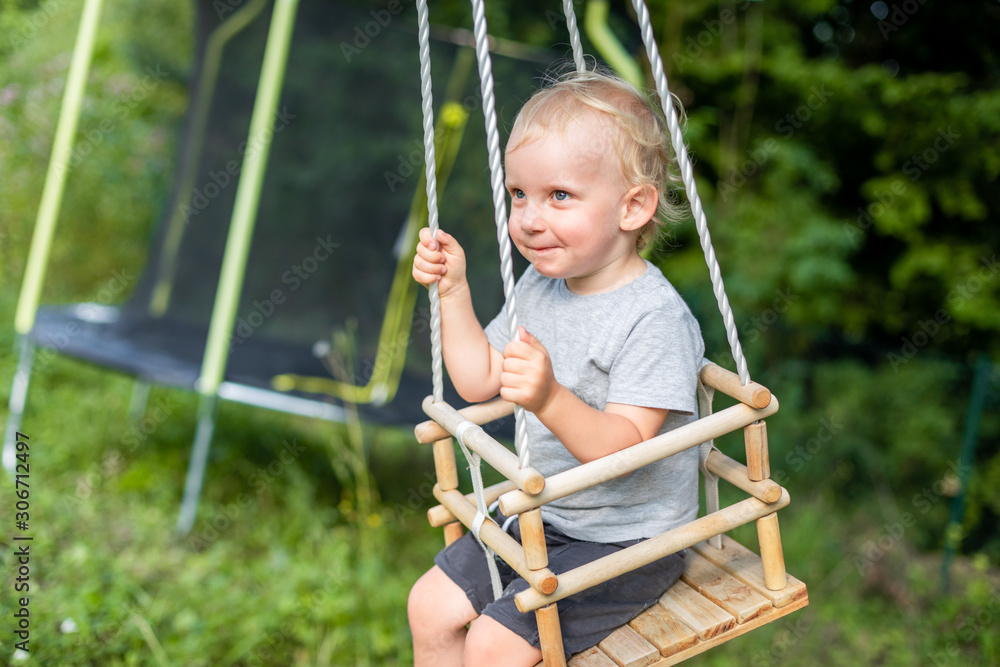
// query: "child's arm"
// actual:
[[588, 433], [473, 365]]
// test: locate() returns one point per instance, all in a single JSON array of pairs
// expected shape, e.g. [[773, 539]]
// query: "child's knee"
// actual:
[[436, 603], [420, 599], [491, 643]]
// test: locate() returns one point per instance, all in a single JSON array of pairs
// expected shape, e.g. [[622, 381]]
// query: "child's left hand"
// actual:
[[527, 377]]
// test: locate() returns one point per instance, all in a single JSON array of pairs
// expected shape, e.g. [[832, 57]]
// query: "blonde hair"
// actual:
[[636, 131]]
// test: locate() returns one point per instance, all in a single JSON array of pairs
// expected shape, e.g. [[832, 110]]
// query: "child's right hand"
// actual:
[[441, 261]]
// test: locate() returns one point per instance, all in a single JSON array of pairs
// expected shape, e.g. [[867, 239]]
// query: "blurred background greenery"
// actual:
[[847, 154]]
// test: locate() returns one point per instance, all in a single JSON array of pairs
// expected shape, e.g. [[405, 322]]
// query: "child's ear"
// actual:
[[640, 207]]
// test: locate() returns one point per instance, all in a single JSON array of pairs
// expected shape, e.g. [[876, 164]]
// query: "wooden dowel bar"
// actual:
[[637, 555], [444, 463], [452, 532], [758, 460], [628, 460], [439, 515], [772, 556], [550, 636], [735, 473], [755, 395], [502, 459], [536, 556], [480, 413], [503, 544]]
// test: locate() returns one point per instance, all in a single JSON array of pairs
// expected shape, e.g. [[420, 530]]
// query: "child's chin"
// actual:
[[550, 273]]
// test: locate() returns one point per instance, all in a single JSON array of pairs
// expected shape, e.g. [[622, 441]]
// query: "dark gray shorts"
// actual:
[[587, 617]]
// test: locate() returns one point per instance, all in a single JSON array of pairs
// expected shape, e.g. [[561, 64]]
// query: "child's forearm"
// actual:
[[471, 361], [589, 433]]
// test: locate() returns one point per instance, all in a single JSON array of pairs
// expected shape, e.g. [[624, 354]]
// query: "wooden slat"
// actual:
[[758, 459], [628, 559], [729, 383], [690, 608], [480, 413], [592, 657], [628, 649], [724, 589], [772, 555], [631, 458], [746, 566], [663, 631], [738, 630], [550, 636]]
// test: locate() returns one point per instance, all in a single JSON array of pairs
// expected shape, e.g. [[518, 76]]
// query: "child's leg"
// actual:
[[489, 643], [438, 610]]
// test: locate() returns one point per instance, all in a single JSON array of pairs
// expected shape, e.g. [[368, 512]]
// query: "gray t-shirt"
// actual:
[[637, 345]]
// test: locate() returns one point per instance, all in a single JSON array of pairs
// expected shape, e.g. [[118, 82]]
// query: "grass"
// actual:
[[286, 567]]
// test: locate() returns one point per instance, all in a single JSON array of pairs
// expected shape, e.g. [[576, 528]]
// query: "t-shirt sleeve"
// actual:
[[497, 332], [658, 364]]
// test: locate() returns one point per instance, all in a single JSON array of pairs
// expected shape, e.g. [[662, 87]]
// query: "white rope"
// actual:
[[705, 396], [574, 35], [687, 175], [499, 200], [430, 174], [430, 165], [482, 515]]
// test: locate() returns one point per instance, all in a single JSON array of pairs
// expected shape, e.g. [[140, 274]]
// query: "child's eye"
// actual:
[[517, 194], [560, 195]]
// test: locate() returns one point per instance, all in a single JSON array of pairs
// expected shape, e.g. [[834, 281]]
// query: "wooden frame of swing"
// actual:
[[525, 491]]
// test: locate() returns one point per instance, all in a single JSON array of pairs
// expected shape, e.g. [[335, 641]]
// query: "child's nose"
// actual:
[[530, 219]]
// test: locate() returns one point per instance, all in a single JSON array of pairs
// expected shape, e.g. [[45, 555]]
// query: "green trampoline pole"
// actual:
[[55, 178], [977, 404], [234, 260], [45, 223], [595, 23]]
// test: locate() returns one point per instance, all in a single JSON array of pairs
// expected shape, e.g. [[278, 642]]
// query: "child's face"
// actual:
[[568, 204]]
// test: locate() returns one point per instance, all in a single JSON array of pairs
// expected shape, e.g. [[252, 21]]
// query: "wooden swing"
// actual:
[[726, 590]]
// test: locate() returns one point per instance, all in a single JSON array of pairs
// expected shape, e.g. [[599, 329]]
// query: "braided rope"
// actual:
[[499, 200], [574, 35], [430, 173], [687, 175]]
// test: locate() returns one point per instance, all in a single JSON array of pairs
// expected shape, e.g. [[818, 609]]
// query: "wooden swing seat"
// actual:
[[720, 596], [723, 593]]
